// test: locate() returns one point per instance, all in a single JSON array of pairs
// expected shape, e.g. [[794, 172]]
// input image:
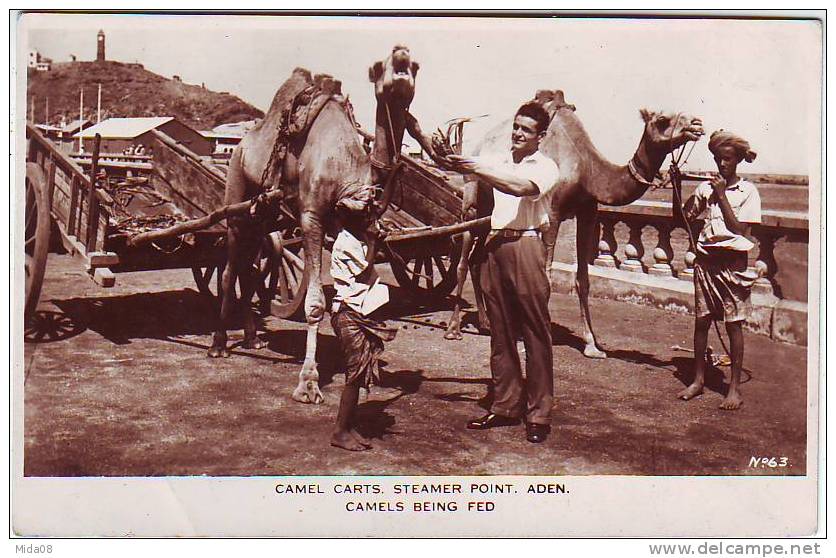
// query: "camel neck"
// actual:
[[604, 181], [388, 134]]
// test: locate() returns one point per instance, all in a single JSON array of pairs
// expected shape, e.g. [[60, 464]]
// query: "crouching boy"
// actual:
[[722, 284], [358, 294]]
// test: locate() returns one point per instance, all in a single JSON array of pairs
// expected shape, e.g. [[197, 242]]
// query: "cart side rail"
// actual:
[[68, 191], [182, 176]]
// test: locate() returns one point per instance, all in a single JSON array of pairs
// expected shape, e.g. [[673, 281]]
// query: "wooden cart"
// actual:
[[422, 247]]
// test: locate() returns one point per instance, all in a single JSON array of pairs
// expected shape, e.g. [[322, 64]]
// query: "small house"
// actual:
[[119, 134]]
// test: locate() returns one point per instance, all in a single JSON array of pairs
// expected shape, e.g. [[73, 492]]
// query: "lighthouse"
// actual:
[[100, 46]]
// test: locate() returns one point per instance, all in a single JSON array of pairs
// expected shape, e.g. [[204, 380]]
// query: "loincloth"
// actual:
[[722, 285], [361, 339]]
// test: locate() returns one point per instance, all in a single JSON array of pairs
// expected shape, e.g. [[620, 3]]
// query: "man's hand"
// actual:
[[718, 184], [459, 164]]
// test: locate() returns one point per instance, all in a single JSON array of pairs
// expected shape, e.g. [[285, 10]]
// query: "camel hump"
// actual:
[[327, 84], [304, 73]]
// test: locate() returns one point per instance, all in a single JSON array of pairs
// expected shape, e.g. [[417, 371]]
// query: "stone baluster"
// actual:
[[765, 265], [634, 250], [607, 245], [688, 273], [663, 253]]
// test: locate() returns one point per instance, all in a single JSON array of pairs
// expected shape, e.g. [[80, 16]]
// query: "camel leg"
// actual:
[[476, 279], [246, 277], [549, 241], [586, 239], [454, 331], [307, 391], [227, 291], [236, 191]]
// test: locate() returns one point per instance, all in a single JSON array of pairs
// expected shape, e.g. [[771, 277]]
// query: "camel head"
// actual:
[[552, 100], [666, 131], [394, 78]]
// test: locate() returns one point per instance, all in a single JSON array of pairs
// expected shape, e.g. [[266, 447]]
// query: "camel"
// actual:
[[330, 165], [586, 180]]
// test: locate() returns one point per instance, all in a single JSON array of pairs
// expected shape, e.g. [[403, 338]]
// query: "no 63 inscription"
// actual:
[[771, 462]]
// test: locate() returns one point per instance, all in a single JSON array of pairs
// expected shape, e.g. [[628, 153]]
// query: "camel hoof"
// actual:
[[308, 392], [454, 335], [218, 352], [591, 351], [254, 343]]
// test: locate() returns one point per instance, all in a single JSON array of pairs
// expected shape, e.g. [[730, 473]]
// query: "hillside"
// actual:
[[130, 90]]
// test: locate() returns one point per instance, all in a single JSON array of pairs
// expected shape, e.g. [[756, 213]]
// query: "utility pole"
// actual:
[[46, 120], [80, 119], [32, 109], [99, 110]]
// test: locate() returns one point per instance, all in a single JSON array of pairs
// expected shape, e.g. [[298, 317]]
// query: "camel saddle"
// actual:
[[303, 109], [297, 118]]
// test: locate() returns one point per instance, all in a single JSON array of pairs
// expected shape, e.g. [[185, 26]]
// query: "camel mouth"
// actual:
[[400, 64]]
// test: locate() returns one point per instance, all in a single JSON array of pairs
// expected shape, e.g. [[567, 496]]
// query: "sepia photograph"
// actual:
[[382, 267]]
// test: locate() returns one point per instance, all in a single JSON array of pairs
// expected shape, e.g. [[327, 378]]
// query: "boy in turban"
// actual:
[[358, 294], [722, 284]]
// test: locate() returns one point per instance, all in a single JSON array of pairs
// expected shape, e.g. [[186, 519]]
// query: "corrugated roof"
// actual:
[[124, 128]]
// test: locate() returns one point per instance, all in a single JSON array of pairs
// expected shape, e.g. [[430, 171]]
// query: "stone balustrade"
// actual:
[[644, 255], [641, 215]]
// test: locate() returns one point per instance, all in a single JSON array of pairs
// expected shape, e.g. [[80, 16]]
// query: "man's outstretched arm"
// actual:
[[424, 141], [502, 181]]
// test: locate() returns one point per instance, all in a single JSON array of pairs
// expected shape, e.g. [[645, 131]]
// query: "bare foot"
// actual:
[[346, 440], [360, 438], [591, 351], [732, 402], [254, 343], [690, 392]]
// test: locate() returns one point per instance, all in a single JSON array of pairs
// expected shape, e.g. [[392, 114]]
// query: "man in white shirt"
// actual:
[[514, 276]]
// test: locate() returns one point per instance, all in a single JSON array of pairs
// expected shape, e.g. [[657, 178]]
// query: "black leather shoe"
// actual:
[[492, 420], [536, 433]]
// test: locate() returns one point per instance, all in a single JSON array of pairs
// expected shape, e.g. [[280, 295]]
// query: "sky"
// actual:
[[761, 79]]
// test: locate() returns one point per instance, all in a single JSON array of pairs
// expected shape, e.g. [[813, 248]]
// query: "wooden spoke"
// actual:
[[287, 282], [426, 270]]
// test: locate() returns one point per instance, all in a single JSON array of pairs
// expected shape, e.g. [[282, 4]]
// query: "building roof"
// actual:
[[48, 128], [75, 125], [124, 128], [233, 129], [216, 136]]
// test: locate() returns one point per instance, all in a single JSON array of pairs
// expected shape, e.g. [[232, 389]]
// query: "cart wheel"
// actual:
[[284, 280], [422, 271], [203, 278], [36, 235], [208, 279]]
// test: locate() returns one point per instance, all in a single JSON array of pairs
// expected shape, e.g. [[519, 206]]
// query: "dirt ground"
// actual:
[[118, 383]]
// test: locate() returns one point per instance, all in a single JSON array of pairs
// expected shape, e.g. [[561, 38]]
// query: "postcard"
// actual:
[[598, 243]]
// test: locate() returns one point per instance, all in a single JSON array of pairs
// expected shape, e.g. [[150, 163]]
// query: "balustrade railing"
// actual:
[[672, 255]]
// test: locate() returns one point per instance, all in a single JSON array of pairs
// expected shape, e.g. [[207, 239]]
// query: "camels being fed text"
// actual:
[[586, 179], [328, 164]]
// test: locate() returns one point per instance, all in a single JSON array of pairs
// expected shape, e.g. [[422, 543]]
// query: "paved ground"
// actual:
[[118, 383]]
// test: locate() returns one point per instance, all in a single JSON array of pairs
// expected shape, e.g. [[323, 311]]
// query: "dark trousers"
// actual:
[[517, 300]]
